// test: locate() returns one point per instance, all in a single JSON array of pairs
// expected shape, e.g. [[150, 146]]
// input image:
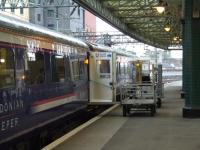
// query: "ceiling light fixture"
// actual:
[[167, 28], [175, 38], [2, 60], [160, 7]]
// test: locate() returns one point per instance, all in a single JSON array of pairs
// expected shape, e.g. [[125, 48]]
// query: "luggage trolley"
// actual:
[[138, 97]]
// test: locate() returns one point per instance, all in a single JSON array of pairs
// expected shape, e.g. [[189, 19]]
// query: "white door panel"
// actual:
[[101, 77]]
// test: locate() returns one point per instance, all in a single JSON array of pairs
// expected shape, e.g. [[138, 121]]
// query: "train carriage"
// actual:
[[39, 69]]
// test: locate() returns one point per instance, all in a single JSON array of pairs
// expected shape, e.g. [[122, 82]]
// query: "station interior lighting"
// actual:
[[23, 77], [2, 60], [167, 28], [175, 38], [160, 9]]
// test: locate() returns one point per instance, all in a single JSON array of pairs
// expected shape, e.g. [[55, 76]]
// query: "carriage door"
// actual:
[[101, 77]]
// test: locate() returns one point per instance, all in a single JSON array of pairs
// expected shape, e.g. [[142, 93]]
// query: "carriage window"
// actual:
[[122, 68], [118, 68], [34, 68], [104, 66], [58, 68], [125, 68], [129, 69], [68, 77], [82, 68], [6, 68], [118, 71], [75, 69], [19, 60]]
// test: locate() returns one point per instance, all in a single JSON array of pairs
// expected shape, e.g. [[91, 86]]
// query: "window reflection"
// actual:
[[6, 68], [58, 68], [104, 66], [34, 68]]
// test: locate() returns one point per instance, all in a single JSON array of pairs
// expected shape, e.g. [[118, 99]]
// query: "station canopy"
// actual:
[[140, 19]]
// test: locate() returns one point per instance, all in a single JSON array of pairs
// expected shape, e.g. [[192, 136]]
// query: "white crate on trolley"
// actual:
[[138, 97]]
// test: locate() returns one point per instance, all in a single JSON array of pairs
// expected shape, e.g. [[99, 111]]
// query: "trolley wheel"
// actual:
[[159, 102], [153, 110], [124, 110]]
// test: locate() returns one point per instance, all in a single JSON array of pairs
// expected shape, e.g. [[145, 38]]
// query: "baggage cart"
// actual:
[[138, 97]]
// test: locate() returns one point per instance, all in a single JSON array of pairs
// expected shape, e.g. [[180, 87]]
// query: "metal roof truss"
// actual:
[[139, 19]]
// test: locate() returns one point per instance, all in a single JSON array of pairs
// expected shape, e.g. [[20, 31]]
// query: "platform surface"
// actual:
[[167, 130]]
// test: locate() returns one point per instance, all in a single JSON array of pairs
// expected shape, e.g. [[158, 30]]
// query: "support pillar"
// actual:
[[191, 56], [184, 63]]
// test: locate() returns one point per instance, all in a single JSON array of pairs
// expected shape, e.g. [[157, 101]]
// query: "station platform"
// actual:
[[167, 130]]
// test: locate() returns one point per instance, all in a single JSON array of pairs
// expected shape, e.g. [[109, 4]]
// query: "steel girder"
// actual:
[[139, 19], [136, 18], [103, 9]]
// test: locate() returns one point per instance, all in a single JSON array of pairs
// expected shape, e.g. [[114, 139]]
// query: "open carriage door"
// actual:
[[102, 79]]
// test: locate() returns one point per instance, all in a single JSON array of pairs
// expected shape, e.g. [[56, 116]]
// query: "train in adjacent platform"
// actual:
[[42, 70]]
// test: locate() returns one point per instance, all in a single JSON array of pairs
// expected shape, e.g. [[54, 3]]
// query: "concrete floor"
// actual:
[[166, 131]]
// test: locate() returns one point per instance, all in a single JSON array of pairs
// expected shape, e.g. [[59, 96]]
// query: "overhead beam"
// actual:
[[97, 8], [142, 16]]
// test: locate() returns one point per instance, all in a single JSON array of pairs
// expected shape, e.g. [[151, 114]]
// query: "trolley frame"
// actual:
[[138, 97]]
